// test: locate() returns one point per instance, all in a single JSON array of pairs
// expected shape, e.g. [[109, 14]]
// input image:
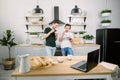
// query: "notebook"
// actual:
[[92, 61]]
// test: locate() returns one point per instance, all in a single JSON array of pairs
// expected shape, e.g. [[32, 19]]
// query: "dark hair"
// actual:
[[55, 21], [68, 25]]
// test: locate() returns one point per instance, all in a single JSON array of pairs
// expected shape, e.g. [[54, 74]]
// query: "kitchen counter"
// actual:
[[39, 49], [63, 71], [86, 45], [30, 45], [42, 45], [83, 49]]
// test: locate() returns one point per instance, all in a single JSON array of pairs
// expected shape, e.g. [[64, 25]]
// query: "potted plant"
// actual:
[[81, 36], [33, 34], [106, 12], [8, 40], [76, 34], [105, 22], [82, 32], [88, 38]]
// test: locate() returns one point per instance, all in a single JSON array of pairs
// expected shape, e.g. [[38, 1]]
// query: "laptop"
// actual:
[[92, 61]]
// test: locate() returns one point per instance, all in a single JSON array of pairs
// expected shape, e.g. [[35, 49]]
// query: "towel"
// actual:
[[113, 67]]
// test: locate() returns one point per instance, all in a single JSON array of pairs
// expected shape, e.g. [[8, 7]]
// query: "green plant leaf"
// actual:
[[106, 11], [82, 32], [8, 40], [75, 32], [106, 21], [88, 37]]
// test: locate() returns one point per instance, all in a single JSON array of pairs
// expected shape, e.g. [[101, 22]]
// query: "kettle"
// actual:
[[24, 63]]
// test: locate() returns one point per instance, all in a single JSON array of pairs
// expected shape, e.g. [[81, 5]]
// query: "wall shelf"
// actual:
[[34, 20], [76, 20], [35, 27]]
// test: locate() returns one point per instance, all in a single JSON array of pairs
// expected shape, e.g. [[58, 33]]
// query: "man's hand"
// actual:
[[53, 30], [46, 35], [63, 34]]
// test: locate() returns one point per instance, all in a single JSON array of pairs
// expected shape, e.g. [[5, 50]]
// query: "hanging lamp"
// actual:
[[76, 11], [38, 10]]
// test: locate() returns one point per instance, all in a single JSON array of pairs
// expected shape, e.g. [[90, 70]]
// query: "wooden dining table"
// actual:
[[63, 71]]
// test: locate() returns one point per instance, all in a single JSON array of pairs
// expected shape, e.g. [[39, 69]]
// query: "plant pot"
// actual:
[[105, 14], [105, 24], [76, 35], [81, 39], [8, 63], [32, 36], [89, 41]]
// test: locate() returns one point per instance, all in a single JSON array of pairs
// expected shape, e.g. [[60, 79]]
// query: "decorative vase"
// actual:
[[8, 63]]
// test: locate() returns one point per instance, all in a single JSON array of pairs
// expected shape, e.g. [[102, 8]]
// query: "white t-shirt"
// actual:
[[65, 41]]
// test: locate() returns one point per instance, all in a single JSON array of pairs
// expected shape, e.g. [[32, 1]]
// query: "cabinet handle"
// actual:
[[116, 41]]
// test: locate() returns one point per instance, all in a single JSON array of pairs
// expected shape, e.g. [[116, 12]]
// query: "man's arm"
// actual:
[[71, 37], [61, 37], [47, 34]]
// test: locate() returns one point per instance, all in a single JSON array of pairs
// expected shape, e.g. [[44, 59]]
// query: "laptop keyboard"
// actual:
[[80, 65], [83, 66]]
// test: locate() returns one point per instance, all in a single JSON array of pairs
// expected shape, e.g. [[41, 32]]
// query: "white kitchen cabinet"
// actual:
[[39, 50], [83, 49], [33, 50]]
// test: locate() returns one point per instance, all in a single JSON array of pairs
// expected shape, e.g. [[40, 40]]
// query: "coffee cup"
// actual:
[[60, 59]]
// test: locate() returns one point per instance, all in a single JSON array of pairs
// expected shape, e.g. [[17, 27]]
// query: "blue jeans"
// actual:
[[50, 50], [66, 51]]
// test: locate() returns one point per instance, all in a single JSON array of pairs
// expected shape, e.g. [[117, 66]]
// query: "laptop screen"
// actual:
[[92, 59]]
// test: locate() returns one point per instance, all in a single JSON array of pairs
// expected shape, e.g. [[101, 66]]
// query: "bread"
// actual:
[[41, 61], [37, 62], [34, 64], [48, 64]]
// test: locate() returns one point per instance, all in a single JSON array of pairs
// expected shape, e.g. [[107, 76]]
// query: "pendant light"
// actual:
[[37, 10], [76, 10]]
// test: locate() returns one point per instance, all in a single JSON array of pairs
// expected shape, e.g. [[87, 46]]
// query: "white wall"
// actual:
[[12, 15]]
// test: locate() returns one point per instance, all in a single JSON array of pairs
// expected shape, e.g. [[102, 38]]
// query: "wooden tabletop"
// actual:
[[86, 45], [42, 45], [63, 69]]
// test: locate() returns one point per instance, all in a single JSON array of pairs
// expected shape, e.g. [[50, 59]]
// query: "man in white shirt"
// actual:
[[65, 38]]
